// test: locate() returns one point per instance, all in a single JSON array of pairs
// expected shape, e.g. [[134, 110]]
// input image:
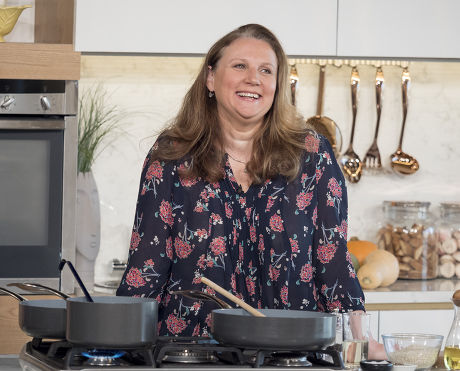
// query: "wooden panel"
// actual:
[[11, 336], [54, 21], [39, 61], [408, 306]]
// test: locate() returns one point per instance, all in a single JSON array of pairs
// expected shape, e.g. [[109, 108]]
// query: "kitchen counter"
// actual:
[[9, 362], [413, 294]]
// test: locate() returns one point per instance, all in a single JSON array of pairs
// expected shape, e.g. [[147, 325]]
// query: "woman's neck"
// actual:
[[238, 141]]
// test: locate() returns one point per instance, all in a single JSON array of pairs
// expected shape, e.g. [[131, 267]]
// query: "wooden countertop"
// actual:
[[39, 61]]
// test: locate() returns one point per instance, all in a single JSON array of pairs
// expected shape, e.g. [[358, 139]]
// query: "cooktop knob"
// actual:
[[7, 102], [45, 102]]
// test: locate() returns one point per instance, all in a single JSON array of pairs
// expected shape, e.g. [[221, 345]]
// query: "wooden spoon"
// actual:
[[232, 297]]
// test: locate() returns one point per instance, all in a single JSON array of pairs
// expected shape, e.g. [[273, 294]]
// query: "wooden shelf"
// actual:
[[39, 61]]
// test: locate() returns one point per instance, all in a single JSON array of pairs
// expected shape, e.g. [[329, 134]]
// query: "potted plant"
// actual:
[[97, 119]]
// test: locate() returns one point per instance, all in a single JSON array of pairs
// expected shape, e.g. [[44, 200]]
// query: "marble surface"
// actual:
[[414, 291], [150, 89]]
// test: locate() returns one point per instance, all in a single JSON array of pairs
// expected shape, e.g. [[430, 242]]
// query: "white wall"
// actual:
[[23, 31], [152, 88]]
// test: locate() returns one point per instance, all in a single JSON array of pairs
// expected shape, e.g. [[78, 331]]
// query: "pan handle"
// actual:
[[77, 277], [13, 294], [200, 295], [36, 287]]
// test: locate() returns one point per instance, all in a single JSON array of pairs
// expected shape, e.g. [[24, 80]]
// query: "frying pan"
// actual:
[[41, 318], [279, 330]]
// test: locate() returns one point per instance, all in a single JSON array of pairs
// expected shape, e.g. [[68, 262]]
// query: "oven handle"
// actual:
[[27, 124]]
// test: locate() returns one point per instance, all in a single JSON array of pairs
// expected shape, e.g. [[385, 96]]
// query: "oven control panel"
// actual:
[[32, 104]]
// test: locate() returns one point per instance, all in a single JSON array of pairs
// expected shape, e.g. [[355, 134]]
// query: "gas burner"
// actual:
[[288, 359], [103, 357], [190, 356]]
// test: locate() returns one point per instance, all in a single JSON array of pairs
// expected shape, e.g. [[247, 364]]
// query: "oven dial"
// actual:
[[45, 103], [7, 102]]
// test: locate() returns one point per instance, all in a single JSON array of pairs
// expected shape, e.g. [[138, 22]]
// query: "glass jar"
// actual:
[[448, 240], [409, 234], [452, 348]]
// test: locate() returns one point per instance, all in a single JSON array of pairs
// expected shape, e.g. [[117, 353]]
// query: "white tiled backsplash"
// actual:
[[152, 89]]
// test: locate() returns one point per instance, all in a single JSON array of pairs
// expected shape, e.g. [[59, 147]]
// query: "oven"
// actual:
[[38, 170]]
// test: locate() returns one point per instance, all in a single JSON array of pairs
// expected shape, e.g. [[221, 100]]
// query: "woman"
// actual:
[[238, 190]]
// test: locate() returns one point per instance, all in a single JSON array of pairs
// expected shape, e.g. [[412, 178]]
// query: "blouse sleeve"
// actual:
[[150, 250], [335, 277]]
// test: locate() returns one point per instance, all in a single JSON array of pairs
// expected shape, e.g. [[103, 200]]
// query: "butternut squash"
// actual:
[[361, 248], [380, 268]]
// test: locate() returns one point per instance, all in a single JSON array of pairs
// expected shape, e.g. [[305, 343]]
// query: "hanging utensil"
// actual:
[[372, 158], [324, 125], [351, 163], [232, 297], [401, 162], [40, 318], [77, 277], [294, 78]]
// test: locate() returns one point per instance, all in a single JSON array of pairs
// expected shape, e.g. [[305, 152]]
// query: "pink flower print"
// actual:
[[319, 174], [182, 248], [149, 263], [248, 211], [303, 178], [233, 282], [326, 253], [235, 235], [241, 251], [188, 182], [294, 245], [342, 229], [199, 207], [201, 233], [216, 218], [315, 216], [166, 212], [270, 203], [175, 325], [204, 195], [273, 273], [304, 199], [196, 330], [251, 286], [135, 239], [201, 263], [209, 290], [311, 143], [284, 295], [252, 233], [306, 273], [333, 304], [196, 306], [209, 263], [134, 278], [228, 210], [276, 223], [261, 245], [208, 320], [218, 245], [155, 170], [335, 188], [169, 248], [242, 201]]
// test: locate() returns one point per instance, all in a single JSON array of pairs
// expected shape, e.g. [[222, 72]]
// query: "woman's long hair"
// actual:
[[195, 133]]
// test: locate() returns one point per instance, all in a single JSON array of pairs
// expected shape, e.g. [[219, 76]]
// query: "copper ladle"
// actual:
[[401, 162]]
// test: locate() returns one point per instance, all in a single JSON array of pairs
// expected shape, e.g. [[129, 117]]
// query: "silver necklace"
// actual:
[[234, 159]]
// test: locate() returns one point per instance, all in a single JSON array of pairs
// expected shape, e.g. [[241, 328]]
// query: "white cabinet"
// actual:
[[305, 27], [399, 28], [416, 321]]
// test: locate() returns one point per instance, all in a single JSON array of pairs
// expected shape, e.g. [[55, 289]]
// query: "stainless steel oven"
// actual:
[[38, 170]]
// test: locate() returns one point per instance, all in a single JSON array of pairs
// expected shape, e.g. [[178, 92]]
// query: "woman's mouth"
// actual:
[[248, 95]]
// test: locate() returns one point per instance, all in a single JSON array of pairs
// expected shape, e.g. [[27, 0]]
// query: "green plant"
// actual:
[[96, 119]]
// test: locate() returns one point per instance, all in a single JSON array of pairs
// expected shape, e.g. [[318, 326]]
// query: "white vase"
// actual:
[[88, 228]]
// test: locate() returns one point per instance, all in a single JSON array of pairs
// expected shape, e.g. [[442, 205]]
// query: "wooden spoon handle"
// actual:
[[232, 297]]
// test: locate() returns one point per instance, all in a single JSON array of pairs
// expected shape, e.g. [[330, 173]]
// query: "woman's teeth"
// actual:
[[250, 95]]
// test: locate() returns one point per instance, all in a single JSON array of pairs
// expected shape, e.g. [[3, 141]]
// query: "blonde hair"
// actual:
[[195, 134]]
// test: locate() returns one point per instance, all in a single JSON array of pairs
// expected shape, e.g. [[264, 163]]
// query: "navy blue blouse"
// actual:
[[279, 245]]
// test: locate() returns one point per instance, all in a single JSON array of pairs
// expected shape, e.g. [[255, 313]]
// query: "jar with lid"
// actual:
[[448, 240], [408, 232]]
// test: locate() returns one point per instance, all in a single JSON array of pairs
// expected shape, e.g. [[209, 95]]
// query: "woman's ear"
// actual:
[[210, 79]]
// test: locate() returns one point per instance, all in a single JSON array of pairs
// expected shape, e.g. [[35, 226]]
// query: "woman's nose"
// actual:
[[252, 76]]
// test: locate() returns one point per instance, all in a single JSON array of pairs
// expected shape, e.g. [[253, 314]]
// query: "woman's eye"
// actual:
[[267, 71], [240, 66]]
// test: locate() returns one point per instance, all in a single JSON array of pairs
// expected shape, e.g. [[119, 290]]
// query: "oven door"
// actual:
[[31, 198]]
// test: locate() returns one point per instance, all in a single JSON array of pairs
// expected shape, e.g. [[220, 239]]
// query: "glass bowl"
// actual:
[[412, 349]]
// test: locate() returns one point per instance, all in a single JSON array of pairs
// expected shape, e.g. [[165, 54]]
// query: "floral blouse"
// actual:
[[278, 245]]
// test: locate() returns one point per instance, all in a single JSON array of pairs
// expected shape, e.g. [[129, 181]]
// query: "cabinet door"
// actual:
[[416, 321], [399, 28], [304, 27]]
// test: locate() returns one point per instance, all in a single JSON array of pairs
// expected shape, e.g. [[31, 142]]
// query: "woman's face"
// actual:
[[244, 81]]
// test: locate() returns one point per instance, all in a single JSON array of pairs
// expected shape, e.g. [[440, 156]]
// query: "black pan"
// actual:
[[41, 318], [112, 321], [279, 330]]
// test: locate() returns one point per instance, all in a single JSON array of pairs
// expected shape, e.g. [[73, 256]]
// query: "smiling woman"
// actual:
[[240, 191]]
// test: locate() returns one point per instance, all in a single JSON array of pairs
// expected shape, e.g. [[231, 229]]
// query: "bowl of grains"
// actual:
[[412, 349]]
